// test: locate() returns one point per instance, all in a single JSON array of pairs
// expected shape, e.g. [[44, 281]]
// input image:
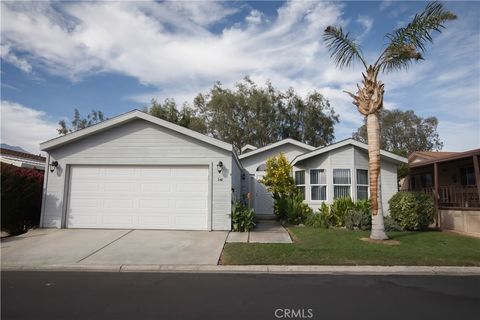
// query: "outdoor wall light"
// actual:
[[53, 166], [220, 166]]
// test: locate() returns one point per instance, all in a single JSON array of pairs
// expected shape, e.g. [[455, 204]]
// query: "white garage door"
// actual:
[[138, 197]]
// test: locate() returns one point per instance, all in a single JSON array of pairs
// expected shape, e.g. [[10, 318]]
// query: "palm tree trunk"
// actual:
[[374, 165]]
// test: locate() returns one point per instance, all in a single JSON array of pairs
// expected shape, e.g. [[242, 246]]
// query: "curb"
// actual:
[[256, 269]]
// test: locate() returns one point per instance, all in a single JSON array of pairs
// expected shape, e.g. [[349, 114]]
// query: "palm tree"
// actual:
[[404, 46]]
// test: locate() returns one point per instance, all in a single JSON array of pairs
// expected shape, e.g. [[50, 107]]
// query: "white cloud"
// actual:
[[8, 56], [25, 127], [385, 4], [255, 17], [367, 24]]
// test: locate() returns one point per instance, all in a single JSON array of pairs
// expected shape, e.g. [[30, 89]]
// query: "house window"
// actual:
[[341, 183], [318, 183], [467, 176], [426, 180], [362, 184], [300, 182]]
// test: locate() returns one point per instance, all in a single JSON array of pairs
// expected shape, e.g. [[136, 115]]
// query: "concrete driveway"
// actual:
[[44, 247]]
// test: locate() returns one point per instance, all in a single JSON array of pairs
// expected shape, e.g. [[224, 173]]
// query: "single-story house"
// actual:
[[22, 159], [451, 178], [141, 172]]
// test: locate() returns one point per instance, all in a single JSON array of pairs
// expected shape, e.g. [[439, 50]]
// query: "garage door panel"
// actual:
[[118, 203], [153, 222], [118, 220], [156, 172], [120, 186], [190, 221], [155, 187], [138, 197], [154, 203]]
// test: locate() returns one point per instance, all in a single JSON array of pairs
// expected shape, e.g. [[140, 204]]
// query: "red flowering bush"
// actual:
[[21, 196]]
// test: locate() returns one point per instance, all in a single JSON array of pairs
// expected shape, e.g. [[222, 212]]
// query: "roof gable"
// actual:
[[343, 143], [278, 144], [127, 117]]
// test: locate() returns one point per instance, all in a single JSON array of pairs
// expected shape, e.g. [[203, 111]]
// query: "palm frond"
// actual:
[[343, 50], [407, 44]]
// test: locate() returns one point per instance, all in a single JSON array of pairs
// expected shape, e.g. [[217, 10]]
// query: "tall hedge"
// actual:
[[412, 210], [21, 197]]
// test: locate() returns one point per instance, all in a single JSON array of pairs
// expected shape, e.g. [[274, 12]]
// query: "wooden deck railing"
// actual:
[[456, 196]]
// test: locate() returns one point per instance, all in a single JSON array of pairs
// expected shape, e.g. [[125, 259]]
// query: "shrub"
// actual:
[[412, 210], [390, 224], [21, 198], [296, 210], [319, 219], [278, 176], [243, 218], [359, 217], [338, 210]]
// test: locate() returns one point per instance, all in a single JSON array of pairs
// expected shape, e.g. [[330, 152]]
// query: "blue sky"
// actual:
[[116, 56]]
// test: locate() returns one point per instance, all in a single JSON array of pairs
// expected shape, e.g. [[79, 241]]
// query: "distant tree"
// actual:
[[311, 120], [78, 122], [403, 132], [250, 114], [186, 117]]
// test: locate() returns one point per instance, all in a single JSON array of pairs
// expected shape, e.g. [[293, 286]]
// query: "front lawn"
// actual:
[[344, 247]]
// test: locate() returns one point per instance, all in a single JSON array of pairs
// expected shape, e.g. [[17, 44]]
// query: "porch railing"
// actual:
[[456, 196]]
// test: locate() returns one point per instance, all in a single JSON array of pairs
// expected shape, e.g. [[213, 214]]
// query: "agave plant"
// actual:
[[405, 45]]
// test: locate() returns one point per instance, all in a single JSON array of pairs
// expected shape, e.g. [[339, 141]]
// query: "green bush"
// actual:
[[414, 211], [319, 219], [21, 198], [390, 224], [291, 208], [243, 218], [359, 217], [338, 210]]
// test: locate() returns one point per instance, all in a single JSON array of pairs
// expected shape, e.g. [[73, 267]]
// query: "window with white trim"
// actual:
[[341, 183], [362, 184], [318, 184], [300, 181]]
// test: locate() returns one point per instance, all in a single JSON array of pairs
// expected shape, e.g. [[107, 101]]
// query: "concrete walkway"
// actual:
[[266, 231]]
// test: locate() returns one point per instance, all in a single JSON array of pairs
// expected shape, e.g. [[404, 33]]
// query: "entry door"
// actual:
[[138, 197], [263, 198]]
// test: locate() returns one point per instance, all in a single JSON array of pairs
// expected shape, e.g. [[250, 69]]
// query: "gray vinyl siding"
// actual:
[[139, 142], [389, 184], [347, 157], [290, 150]]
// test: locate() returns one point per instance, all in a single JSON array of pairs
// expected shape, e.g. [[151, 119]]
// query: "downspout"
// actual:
[[44, 194]]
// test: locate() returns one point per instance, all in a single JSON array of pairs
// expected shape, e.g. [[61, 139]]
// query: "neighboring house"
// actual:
[[341, 170], [452, 178], [254, 161], [22, 159], [141, 172]]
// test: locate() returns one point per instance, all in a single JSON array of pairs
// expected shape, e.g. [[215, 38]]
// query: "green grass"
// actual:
[[344, 247]]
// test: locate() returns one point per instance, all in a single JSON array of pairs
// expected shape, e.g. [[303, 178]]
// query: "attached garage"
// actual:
[[138, 197], [136, 171]]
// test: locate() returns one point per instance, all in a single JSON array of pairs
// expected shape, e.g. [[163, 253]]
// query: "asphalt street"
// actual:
[[89, 295]]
